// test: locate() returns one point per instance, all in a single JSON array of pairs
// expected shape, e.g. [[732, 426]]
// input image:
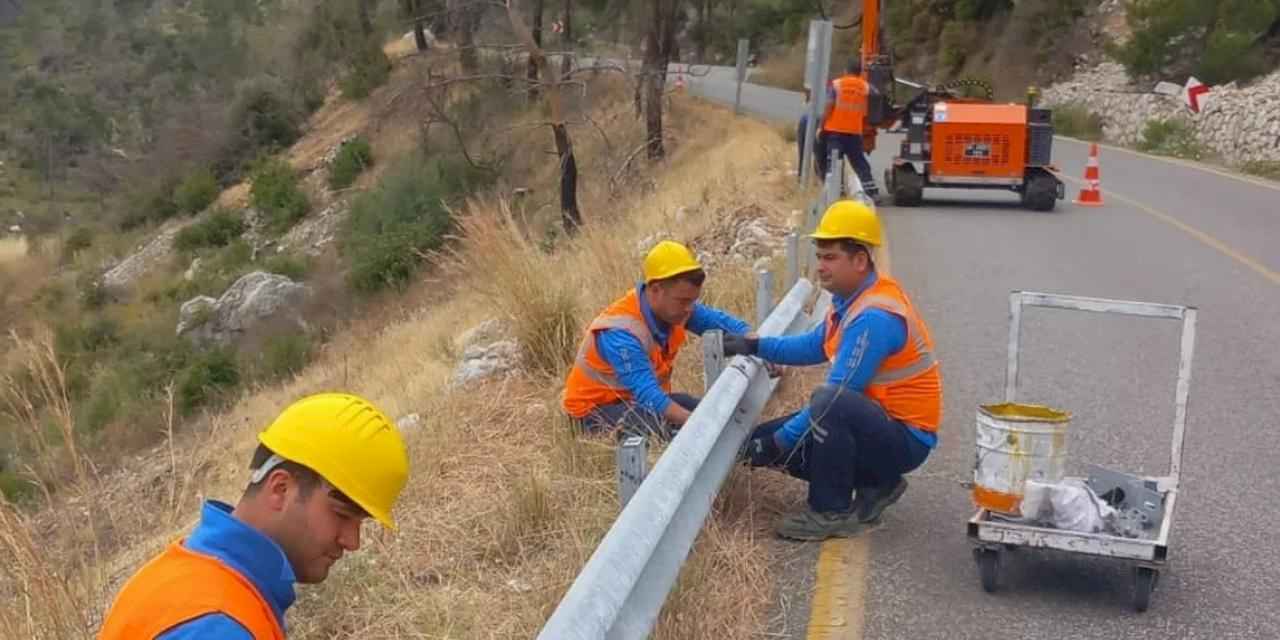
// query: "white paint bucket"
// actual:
[[1015, 443]]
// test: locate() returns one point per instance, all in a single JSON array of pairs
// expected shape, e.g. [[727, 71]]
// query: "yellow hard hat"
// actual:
[[668, 259], [849, 219], [349, 443]]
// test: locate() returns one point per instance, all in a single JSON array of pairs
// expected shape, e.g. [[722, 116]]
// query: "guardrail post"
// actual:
[[712, 357], [764, 295], [793, 266], [633, 466], [833, 178]]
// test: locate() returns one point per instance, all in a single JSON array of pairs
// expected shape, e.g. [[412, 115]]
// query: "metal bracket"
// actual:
[[1138, 500], [633, 466]]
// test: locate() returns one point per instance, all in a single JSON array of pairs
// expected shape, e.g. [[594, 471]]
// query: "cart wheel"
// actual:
[[988, 567], [1144, 582]]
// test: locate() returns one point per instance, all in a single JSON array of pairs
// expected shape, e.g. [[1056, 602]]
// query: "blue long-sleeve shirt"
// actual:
[[874, 335], [630, 360], [252, 554]]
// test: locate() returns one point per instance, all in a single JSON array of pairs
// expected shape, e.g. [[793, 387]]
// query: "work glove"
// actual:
[[763, 451], [739, 345]]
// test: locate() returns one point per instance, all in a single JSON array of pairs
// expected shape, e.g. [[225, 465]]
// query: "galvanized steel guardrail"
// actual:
[[620, 591]]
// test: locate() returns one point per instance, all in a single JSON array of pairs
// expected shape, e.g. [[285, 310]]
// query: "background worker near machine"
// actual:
[[842, 124], [622, 374], [876, 417], [324, 465]]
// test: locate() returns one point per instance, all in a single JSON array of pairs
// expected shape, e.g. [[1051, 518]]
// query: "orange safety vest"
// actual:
[[908, 383], [180, 585], [593, 382], [850, 107]]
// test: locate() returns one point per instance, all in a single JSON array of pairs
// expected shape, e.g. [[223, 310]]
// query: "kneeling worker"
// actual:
[[877, 416], [622, 375], [324, 465]]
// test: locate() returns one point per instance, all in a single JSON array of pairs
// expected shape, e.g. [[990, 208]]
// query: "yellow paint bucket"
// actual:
[[1015, 443]]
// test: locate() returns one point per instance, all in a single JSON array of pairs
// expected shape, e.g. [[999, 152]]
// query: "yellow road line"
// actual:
[[1203, 237], [1257, 182], [837, 609]]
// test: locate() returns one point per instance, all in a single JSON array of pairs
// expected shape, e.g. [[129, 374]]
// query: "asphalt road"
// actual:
[[1168, 233]]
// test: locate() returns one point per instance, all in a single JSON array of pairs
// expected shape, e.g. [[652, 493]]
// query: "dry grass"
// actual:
[[503, 506]]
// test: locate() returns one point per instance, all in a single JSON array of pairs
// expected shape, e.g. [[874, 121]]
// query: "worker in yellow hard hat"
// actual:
[[877, 415], [621, 377], [327, 463]]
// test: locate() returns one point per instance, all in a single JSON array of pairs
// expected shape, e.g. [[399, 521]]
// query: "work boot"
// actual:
[[816, 525], [871, 501]]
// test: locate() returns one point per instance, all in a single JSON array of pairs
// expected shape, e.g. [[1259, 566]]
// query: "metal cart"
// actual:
[[1151, 499]]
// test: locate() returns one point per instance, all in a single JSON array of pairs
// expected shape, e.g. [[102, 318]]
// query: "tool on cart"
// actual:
[[1143, 505]]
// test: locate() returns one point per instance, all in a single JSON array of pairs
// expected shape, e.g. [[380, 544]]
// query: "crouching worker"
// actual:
[[876, 417], [324, 465], [621, 378]]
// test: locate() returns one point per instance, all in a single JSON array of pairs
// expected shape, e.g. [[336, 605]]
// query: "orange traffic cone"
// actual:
[[1090, 196]]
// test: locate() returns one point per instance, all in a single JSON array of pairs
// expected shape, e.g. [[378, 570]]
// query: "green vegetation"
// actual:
[[286, 355], [275, 192], [217, 230], [406, 215], [196, 192], [353, 158], [1076, 121], [1216, 40], [1263, 168], [1173, 137]]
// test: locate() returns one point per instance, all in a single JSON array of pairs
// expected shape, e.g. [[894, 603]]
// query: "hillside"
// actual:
[[504, 504]]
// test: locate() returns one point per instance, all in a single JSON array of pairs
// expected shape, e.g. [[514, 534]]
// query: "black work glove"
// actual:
[[763, 451], [739, 345]]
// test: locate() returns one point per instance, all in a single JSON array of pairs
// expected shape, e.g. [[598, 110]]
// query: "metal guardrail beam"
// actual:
[[619, 593]]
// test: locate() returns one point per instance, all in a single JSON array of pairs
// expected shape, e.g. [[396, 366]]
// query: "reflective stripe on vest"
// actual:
[[850, 107], [180, 585], [908, 383], [592, 382]]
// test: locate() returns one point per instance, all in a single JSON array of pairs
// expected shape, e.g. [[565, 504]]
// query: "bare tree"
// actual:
[[465, 16], [566, 38], [366, 23], [659, 45], [414, 10], [536, 20], [571, 218]]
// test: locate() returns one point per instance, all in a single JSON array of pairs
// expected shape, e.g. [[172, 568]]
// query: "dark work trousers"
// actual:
[[849, 146], [630, 419], [851, 443]]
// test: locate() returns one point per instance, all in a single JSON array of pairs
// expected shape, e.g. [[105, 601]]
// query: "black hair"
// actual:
[[695, 278], [855, 65], [847, 245]]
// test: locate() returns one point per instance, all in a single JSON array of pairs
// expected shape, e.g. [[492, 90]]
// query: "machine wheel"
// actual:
[[1144, 582], [1040, 192], [988, 566], [905, 185]]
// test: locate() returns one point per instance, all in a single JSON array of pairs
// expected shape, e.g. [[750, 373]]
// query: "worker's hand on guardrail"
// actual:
[[775, 371], [740, 345], [763, 451]]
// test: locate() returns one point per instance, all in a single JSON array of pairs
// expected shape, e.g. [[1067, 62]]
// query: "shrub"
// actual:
[[369, 70], [264, 119], [78, 240], [391, 226], [1076, 121], [1172, 137], [276, 194], [218, 230], [286, 265], [149, 203], [196, 192], [1264, 168], [211, 374], [286, 355], [15, 488], [353, 158]]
